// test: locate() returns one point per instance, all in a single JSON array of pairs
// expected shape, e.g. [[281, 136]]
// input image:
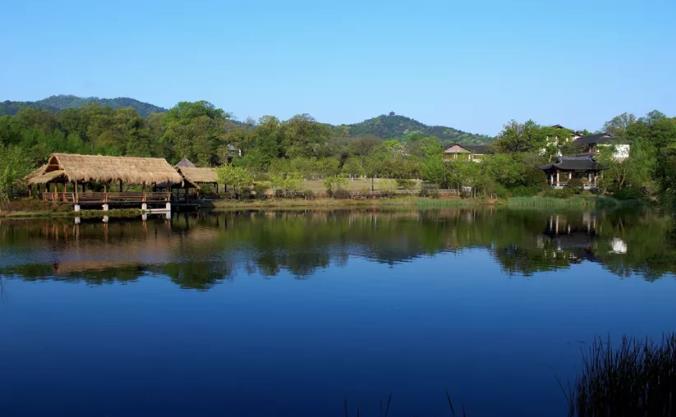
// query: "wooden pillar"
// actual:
[[120, 183], [77, 197], [558, 179]]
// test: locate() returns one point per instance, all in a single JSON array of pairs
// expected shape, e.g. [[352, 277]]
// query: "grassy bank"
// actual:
[[333, 204], [570, 203], [27, 210]]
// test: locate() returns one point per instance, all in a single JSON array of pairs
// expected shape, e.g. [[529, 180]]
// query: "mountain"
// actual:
[[61, 102], [390, 126], [393, 126]]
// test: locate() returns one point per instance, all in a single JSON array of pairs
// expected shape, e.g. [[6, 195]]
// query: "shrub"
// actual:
[[341, 194], [404, 184], [237, 178], [429, 190], [334, 183]]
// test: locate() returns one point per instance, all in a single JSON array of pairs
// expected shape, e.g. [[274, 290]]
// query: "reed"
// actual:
[[545, 203], [634, 378], [431, 203]]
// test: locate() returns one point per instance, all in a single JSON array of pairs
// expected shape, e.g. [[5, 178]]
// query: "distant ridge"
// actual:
[[62, 102], [394, 126], [385, 126]]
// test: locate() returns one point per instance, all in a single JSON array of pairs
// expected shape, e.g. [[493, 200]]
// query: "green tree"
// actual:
[[632, 177], [619, 124], [517, 137], [237, 178], [14, 165]]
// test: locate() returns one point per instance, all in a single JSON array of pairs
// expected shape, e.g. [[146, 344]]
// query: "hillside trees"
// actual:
[[14, 165], [521, 137]]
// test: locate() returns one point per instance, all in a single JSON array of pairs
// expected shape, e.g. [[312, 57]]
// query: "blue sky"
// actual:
[[472, 65]]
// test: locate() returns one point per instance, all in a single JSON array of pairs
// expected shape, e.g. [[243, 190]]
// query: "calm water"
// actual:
[[289, 314]]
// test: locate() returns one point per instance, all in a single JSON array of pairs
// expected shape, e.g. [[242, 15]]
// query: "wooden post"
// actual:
[[120, 185]]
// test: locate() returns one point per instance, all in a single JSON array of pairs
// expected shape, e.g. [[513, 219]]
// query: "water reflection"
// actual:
[[199, 250]]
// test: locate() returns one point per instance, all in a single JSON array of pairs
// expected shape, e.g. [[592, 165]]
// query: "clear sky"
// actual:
[[471, 64]]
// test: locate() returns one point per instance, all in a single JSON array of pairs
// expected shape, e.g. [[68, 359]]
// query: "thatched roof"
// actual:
[[185, 163], [86, 168], [36, 172], [45, 178], [199, 175]]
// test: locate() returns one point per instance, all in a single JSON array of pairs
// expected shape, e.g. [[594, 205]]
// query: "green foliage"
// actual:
[[405, 184], [14, 165], [62, 102], [236, 178], [393, 126], [286, 184], [632, 177], [435, 171], [518, 137], [334, 183], [300, 146]]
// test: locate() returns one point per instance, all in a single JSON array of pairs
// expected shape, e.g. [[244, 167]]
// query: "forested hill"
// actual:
[[391, 126], [61, 102], [395, 126]]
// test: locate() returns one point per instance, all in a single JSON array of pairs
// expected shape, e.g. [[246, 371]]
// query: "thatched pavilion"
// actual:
[[197, 177], [65, 178]]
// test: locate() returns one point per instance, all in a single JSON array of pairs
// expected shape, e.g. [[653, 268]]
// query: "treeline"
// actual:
[[304, 148]]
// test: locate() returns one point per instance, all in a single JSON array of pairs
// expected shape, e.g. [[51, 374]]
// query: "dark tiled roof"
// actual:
[[573, 163], [594, 139]]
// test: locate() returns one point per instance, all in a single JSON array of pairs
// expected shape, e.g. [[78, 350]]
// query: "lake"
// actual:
[[294, 313]]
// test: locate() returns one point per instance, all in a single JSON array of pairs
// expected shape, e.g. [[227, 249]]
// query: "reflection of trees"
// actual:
[[197, 250], [197, 275]]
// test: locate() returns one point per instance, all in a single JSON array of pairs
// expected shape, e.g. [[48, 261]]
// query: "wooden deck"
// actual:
[[111, 198]]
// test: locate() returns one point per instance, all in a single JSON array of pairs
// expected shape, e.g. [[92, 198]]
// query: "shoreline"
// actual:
[[320, 204]]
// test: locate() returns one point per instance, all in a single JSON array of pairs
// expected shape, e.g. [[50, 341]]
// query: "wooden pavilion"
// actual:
[[565, 168], [198, 178], [65, 178]]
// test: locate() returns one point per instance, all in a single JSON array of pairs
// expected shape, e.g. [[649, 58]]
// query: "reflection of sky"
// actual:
[[251, 347]]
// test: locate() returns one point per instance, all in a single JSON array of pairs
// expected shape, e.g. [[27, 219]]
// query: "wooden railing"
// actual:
[[107, 197]]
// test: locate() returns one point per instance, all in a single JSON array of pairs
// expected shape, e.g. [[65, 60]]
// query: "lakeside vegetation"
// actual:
[[301, 157], [633, 378]]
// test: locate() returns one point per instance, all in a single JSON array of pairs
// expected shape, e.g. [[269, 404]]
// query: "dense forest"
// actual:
[[301, 147], [62, 102]]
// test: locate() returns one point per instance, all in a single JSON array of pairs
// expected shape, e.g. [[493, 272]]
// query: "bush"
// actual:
[[429, 190], [575, 185], [404, 184], [307, 194], [559, 193], [236, 178], [341, 194], [334, 183]]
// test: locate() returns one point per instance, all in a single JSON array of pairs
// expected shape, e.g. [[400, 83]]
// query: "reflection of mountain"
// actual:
[[196, 251]]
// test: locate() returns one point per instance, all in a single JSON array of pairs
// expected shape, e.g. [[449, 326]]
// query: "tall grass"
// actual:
[[634, 379], [427, 203], [553, 203]]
